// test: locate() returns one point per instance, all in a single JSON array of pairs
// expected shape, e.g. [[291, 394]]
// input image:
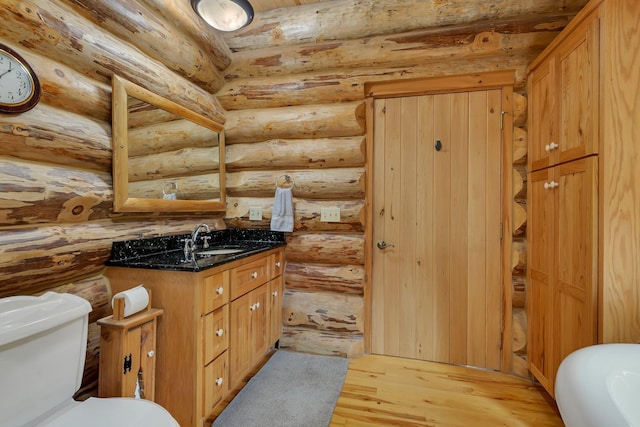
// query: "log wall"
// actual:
[[295, 94], [56, 194]]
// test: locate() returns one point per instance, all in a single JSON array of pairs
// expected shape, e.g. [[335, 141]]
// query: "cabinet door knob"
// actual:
[[553, 145], [253, 307], [275, 294], [220, 332], [257, 305], [278, 264], [550, 185], [219, 382], [151, 353], [254, 274], [220, 290]]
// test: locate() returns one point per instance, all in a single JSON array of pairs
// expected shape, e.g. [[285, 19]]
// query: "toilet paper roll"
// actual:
[[135, 300]]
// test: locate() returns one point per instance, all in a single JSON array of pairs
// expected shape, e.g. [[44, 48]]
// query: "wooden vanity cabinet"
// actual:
[[199, 338], [582, 285], [255, 310]]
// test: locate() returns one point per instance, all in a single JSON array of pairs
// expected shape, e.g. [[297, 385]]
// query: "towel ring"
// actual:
[[285, 181]]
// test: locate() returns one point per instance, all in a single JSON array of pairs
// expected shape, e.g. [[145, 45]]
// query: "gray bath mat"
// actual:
[[291, 390]]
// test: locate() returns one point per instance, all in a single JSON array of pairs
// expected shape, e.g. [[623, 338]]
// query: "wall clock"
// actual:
[[19, 85]]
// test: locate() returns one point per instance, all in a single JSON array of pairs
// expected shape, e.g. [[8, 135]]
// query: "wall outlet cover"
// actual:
[[330, 214], [255, 214]]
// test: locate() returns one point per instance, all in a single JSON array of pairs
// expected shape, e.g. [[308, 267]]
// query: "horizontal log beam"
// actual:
[[53, 30], [39, 258], [321, 342], [332, 86], [169, 136], [158, 38], [79, 141], [326, 311], [182, 16], [332, 184], [41, 193], [67, 89], [179, 163], [195, 187], [319, 153], [306, 214], [492, 38], [308, 121], [346, 19], [346, 279], [326, 248]]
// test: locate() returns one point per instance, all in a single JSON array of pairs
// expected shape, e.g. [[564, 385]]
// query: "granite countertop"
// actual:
[[167, 252]]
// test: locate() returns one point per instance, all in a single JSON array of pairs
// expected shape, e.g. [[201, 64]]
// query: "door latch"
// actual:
[[127, 364]]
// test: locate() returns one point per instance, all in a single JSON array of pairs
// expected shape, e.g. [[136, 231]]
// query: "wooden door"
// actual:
[[436, 293]]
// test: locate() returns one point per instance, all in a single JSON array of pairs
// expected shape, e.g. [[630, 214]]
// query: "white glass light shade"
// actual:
[[224, 15]]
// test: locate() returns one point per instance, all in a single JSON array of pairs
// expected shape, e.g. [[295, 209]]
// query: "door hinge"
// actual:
[[502, 113], [127, 364]]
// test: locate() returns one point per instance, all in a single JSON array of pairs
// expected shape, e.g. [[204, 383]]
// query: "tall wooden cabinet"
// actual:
[[217, 324], [575, 173]]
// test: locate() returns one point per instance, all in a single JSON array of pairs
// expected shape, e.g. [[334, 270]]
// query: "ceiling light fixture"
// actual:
[[224, 15]]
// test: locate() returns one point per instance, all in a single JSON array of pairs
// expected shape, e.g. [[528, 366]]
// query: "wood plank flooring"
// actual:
[[390, 391]]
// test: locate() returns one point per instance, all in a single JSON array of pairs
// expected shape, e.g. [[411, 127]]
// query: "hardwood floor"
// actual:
[[389, 391]]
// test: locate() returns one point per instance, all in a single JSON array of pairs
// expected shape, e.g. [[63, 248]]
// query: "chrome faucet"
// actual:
[[196, 232]]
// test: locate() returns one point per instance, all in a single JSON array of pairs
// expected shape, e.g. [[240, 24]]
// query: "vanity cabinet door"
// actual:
[[249, 336], [276, 290]]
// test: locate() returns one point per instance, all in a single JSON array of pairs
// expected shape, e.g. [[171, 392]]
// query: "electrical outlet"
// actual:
[[255, 214], [330, 214]]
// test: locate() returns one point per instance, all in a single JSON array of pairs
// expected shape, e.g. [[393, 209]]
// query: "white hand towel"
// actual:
[[282, 216]]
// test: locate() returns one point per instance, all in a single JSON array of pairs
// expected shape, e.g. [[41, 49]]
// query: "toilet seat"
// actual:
[[114, 411]]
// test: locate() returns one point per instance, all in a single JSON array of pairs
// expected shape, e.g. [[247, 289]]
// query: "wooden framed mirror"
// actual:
[[166, 158]]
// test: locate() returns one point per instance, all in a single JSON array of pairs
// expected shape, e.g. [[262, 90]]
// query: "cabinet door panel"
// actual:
[[576, 259], [276, 290], [541, 242], [579, 85], [260, 325], [542, 106], [240, 339], [215, 383]]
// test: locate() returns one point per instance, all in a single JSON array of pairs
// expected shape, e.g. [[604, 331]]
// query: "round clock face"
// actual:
[[17, 86]]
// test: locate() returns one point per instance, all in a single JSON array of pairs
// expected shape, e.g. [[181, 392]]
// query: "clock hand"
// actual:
[[6, 72]]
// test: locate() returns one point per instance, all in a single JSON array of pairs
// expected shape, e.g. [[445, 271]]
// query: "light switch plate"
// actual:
[[330, 214], [255, 214]]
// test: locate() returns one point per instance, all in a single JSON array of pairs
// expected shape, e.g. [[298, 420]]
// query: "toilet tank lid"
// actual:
[[23, 316]]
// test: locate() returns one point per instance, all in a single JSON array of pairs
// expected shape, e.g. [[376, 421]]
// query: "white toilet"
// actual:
[[43, 342]]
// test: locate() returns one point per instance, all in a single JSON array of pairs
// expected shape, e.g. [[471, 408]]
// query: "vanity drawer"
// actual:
[[249, 276], [216, 333], [216, 381], [277, 264], [215, 292]]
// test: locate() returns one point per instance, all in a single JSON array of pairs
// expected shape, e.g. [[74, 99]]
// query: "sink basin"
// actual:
[[600, 386], [219, 252]]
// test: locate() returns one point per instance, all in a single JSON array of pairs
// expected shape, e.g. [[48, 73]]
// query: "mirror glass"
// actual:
[[166, 158]]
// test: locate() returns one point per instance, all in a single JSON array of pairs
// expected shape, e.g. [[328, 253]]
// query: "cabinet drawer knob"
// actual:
[[275, 294], [220, 290], [278, 264], [151, 353], [219, 382], [254, 275], [220, 332]]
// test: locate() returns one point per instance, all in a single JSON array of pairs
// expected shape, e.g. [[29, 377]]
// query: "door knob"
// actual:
[[384, 245]]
